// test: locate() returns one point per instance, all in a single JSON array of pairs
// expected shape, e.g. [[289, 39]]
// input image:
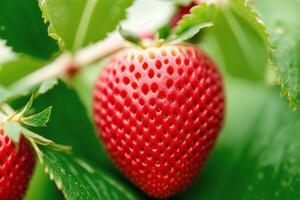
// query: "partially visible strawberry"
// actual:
[[181, 11], [158, 111], [16, 167]]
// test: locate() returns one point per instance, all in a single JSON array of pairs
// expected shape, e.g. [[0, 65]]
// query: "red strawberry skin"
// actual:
[[16, 167], [158, 112]]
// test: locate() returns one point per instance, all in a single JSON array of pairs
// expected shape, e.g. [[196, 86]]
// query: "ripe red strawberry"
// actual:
[[16, 167], [158, 111]]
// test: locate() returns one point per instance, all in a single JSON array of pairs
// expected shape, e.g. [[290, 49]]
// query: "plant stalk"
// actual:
[[61, 65]]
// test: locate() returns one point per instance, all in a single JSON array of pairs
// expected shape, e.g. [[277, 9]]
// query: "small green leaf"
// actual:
[[37, 139], [39, 119], [27, 107], [78, 23], [22, 27], [47, 85], [189, 33], [199, 17], [78, 180], [13, 130]]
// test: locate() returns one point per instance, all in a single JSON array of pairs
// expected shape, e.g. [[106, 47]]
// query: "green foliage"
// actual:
[[70, 124], [281, 18], [79, 180], [189, 33], [22, 26], [241, 49], [41, 187], [39, 119], [201, 14], [46, 86], [27, 107], [75, 24], [245, 10], [236, 32], [17, 68]]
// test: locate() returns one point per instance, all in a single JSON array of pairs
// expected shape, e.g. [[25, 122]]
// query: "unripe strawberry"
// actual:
[[16, 167], [158, 112]]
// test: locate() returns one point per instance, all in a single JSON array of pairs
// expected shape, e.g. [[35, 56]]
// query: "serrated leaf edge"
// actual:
[[58, 180], [47, 110], [261, 25], [188, 17], [51, 30], [271, 48]]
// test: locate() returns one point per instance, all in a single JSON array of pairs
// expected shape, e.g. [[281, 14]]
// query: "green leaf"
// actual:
[[39, 119], [19, 67], [21, 25], [281, 19], [257, 153], [27, 107], [41, 187], [13, 130], [235, 33], [70, 124], [189, 33], [245, 10], [237, 46], [47, 85], [79, 180], [199, 17], [77, 23]]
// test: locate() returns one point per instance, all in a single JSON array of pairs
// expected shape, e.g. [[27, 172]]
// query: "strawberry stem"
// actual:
[[81, 59]]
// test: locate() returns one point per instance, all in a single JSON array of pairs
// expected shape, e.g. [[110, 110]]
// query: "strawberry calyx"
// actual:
[[157, 42], [15, 125], [140, 41], [183, 31]]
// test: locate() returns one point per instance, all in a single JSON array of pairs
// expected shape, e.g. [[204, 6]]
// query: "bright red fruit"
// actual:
[[16, 167], [159, 111]]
